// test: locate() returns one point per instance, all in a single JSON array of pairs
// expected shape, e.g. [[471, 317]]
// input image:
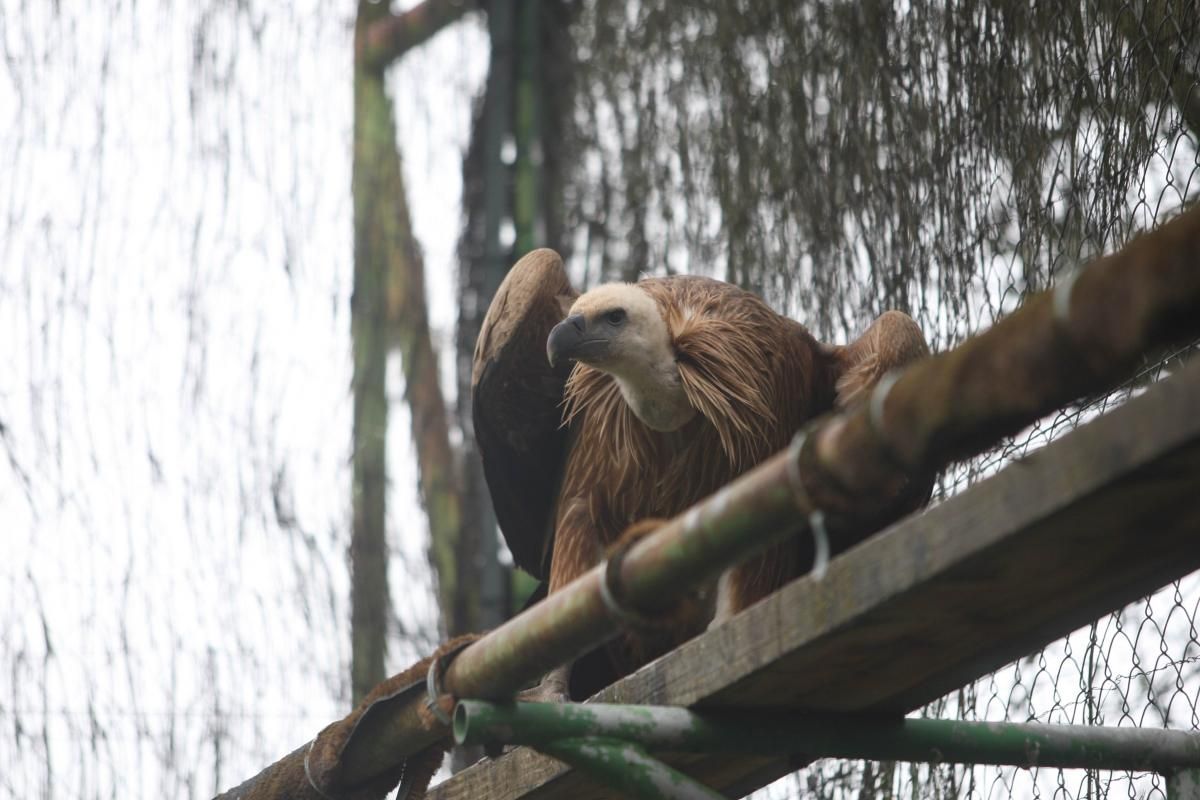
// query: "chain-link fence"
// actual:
[[941, 158]]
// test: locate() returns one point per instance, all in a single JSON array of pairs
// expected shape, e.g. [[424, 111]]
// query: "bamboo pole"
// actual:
[[1085, 335]]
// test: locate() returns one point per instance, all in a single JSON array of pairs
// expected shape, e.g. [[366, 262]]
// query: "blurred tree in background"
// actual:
[[389, 313]]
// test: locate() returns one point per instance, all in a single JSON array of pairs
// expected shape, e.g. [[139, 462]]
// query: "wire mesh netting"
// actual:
[[941, 158], [175, 408], [174, 291]]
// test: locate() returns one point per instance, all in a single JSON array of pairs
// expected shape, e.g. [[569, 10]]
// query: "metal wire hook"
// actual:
[[816, 517], [308, 772], [1061, 297], [433, 681]]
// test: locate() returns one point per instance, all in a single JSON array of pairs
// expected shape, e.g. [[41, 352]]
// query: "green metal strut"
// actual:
[[546, 726], [627, 767]]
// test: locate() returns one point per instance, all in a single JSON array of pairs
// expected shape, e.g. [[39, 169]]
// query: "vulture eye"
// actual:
[[615, 317]]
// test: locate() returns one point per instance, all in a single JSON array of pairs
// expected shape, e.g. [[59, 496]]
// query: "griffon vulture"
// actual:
[[678, 385]]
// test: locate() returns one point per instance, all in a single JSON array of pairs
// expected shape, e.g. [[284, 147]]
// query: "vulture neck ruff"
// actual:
[[642, 358], [723, 355], [657, 398]]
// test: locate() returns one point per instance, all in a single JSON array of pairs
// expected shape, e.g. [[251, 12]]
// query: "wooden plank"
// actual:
[[1081, 527]]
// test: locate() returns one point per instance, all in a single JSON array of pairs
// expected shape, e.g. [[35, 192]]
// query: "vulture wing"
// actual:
[[516, 400], [892, 341]]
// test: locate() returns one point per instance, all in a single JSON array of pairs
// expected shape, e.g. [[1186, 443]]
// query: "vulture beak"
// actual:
[[573, 338]]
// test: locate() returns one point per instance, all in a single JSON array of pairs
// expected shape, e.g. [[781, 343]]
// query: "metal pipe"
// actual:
[[662, 728], [626, 767], [745, 517]]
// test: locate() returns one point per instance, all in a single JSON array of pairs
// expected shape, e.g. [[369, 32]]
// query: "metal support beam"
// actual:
[[837, 736], [627, 767]]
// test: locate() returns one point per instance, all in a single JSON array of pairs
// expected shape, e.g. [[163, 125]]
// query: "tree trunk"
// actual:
[[524, 106], [388, 310], [373, 137]]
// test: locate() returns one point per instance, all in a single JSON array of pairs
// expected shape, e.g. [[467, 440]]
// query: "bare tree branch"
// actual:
[[393, 35]]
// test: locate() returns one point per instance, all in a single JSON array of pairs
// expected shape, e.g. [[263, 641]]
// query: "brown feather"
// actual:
[[515, 399], [892, 340]]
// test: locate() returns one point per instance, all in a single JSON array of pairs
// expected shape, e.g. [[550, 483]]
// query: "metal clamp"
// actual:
[[795, 479], [308, 772], [875, 408], [821, 548], [433, 681], [609, 592]]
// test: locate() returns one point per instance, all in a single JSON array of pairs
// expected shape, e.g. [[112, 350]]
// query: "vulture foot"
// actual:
[[552, 689]]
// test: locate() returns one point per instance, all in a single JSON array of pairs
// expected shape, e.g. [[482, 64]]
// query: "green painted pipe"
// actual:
[[626, 767], [838, 736]]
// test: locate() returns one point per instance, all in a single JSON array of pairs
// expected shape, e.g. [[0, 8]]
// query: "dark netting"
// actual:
[[845, 158]]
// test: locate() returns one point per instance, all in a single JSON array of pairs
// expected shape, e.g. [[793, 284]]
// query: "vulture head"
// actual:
[[619, 329]]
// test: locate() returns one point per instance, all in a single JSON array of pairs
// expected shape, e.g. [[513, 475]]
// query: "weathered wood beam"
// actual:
[[390, 315], [1079, 528]]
